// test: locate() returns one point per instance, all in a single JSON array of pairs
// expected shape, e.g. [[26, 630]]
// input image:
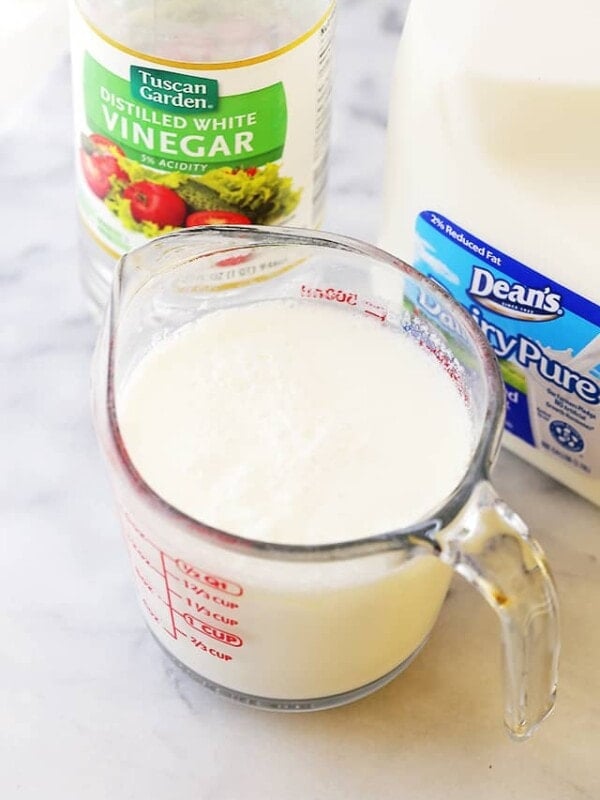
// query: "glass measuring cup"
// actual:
[[309, 627]]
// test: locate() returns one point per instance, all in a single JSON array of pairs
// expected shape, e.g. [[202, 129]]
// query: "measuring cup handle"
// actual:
[[492, 548]]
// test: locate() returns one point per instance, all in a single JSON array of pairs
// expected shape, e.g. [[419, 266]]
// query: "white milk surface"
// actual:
[[295, 423], [292, 423]]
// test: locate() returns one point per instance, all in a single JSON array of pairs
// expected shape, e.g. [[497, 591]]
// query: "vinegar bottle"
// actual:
[[195, 112]]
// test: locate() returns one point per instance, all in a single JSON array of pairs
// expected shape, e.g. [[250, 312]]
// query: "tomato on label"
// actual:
[[105, 145], [98, 168], [152, 202], [216, 218]]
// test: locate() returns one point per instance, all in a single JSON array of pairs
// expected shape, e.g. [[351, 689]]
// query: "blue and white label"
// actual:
[[546, 337]]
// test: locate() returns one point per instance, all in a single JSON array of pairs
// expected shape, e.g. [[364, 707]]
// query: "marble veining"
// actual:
[[90, 708]]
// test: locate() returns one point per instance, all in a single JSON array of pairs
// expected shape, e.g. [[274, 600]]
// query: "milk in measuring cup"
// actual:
[[293, 422], [493, 176]]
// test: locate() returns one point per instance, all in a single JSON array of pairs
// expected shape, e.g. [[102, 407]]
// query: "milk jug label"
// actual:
[[546, 338], [163, 144]]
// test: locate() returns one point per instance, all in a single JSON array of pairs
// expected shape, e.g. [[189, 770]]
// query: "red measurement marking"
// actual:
[[145, 583], [234, 261], [169, 604], [225, 637], [331, 293], [210, 650], [374, 310], [199, 591], [139, 551], [198, 608], [214, 581], [140, 533], [450, 366], [146, 605], [225, 620], [197, 573]]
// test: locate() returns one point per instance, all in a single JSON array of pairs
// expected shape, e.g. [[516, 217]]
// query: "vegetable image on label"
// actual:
[[99, 164], [151, 202], [216, 218], [156, 203]]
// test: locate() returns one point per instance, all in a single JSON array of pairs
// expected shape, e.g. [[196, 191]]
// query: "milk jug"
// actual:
[[493, 190]]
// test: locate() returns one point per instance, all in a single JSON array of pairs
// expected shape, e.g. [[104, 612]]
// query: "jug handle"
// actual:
[[491, 547]]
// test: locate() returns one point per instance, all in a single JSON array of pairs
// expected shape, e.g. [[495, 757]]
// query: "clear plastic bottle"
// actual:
[[191, 112]]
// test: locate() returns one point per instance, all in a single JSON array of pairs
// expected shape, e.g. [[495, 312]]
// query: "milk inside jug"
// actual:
[[493, 190]]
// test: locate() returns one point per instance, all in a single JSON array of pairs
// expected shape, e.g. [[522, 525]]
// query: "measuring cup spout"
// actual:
[[491, 547]]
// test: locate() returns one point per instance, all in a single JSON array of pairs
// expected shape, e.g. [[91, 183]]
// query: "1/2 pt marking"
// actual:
[[214, 581]]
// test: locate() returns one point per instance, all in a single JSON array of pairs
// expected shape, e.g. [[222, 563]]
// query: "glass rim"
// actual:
[[422, 533]]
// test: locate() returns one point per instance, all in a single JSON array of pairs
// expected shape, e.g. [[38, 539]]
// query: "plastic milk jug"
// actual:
[[493, 189]]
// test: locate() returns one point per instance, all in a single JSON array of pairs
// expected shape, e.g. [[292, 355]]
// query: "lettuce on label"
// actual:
[[262, 194]]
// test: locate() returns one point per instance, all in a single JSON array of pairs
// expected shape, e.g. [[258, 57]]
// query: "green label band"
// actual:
[[166, 119]]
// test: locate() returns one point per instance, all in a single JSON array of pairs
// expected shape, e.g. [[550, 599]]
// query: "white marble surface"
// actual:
[[89, 708]]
